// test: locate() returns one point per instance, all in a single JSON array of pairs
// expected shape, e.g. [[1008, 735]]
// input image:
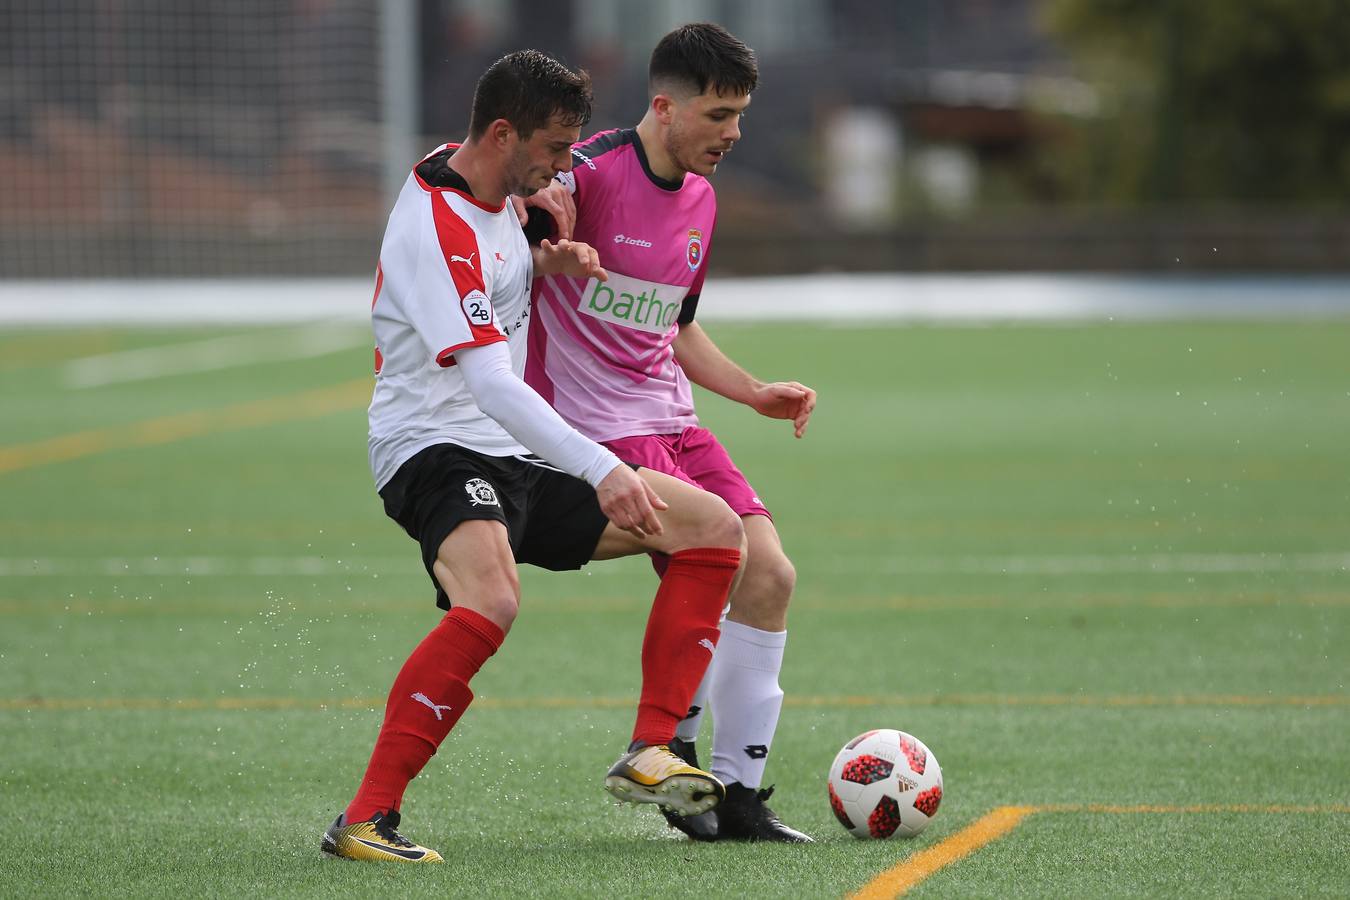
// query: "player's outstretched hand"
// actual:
[[786, 400], [629, 502], [568, 258], [554, 200]]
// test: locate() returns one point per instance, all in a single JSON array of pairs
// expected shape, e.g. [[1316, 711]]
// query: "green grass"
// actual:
[[1071, 457]]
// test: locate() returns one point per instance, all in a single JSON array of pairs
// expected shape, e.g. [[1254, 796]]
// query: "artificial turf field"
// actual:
[[1102, 571]]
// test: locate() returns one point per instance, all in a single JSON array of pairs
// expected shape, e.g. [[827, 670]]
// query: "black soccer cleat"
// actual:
[[700, 827], [742, 816]]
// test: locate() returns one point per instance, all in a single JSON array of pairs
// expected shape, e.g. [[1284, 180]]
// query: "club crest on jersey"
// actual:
[[480, 492], [694, 252]]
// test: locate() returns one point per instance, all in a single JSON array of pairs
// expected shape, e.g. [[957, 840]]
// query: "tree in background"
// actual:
[[1208, 102]]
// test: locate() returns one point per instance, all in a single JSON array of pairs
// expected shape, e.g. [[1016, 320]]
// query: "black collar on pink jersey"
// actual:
[[664, 184]]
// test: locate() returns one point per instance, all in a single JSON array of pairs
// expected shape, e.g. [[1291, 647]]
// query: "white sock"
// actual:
[[689, 726], [746, 701]]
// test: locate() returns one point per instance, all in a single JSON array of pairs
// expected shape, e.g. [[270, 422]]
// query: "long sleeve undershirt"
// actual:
[[527, 417]]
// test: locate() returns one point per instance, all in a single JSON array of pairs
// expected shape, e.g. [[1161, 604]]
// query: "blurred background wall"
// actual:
[[144, 138]]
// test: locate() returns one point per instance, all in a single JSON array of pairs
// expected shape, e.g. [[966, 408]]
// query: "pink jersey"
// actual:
[[601, 352]]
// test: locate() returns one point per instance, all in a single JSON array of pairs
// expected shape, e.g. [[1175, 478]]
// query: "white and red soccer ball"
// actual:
[[885, 783]]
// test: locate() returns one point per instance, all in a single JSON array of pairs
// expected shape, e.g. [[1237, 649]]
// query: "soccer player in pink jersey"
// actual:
[[482, 472], [616, 359]]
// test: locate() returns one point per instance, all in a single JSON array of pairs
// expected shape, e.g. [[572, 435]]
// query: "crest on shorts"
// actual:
[[694, 252], [480, 492]]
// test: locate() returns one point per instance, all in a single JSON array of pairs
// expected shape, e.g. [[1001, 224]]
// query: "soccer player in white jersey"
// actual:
[[615, 358], [482, 472]]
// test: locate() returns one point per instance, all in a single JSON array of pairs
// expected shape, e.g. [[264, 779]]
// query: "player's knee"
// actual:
[[499, 606], [506, 594], [720, 527], [496, 596], [776, 578], [704, 520], [761, 597]]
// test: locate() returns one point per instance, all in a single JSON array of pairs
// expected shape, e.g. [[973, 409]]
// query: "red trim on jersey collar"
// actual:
[[441, 190]]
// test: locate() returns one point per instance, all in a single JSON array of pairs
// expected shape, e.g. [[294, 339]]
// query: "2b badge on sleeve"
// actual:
[[476, 308]]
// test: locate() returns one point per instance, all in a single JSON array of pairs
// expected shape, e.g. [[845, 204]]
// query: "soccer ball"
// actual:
[[884, 783]]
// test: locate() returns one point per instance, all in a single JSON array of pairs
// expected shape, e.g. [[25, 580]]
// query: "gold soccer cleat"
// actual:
[[656, 775], [375, 841]]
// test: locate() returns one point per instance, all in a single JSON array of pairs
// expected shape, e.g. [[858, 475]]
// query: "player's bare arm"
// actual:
[[566, 257], [708, 367]]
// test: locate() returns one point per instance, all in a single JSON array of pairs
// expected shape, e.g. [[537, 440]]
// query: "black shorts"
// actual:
[[552, 519]]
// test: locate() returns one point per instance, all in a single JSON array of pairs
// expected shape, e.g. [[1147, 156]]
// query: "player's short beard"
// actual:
[[517, 171], [680, 153], [674, 149]]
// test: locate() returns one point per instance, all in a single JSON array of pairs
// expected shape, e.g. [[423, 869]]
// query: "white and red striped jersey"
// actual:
[[453, 273]]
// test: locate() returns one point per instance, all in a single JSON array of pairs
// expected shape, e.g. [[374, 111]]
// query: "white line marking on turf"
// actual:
[[836, 296], [211, 354], [1157, 563]]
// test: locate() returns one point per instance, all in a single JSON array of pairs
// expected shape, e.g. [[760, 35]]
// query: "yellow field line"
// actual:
[[266, 703], [1243, 808], [898, 879], [304, 405]]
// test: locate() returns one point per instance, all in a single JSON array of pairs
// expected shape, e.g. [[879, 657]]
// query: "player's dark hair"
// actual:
[[702, 56], [527, 88]]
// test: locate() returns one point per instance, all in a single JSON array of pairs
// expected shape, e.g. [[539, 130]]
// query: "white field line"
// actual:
[[1178, 563], [847, 297], [212, 353]]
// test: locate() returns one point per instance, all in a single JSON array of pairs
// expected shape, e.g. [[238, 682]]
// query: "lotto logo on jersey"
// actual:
[[645, 305], [476, 308], [694, 252]]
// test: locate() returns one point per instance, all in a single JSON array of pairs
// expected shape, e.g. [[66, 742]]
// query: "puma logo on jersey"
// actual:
[[467, 260], [707, 644], [426, 701]]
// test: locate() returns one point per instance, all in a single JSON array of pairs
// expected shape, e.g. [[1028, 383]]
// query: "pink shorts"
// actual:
[[696, 456]]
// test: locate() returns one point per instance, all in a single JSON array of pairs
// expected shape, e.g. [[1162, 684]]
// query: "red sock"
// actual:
[[681, 634], [429, 695]]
